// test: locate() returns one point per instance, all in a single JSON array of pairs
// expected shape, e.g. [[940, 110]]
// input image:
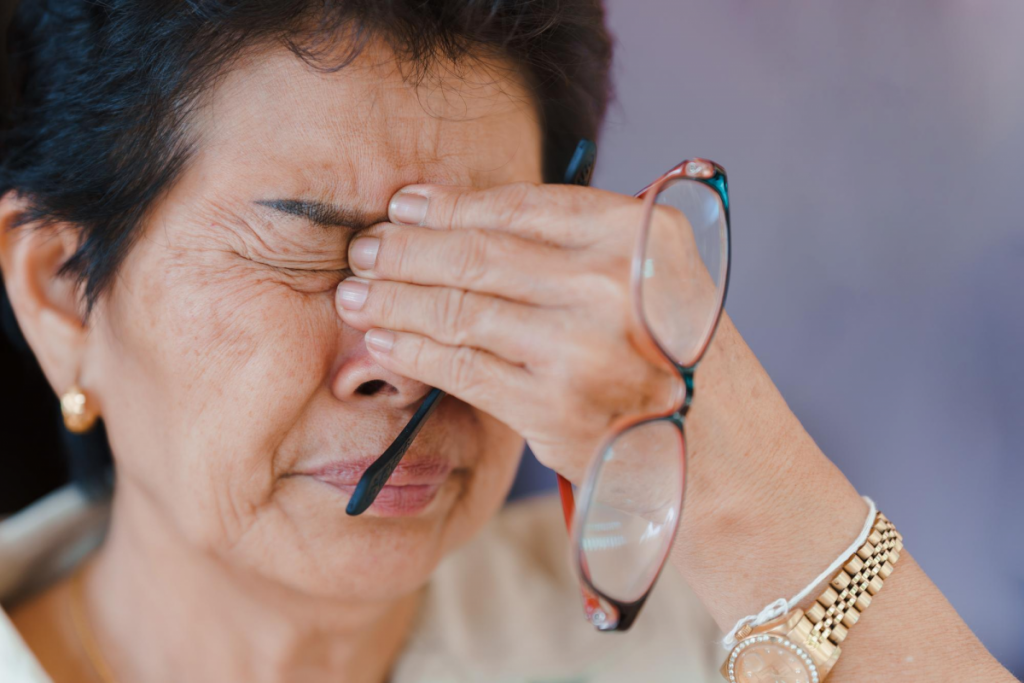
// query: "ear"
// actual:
[[47, 306]]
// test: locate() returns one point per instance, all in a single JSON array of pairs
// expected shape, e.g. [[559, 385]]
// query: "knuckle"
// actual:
[[629, 211], [668, 222], [471, 265], [577, 200], [458, 211], [625, 218], [464, 370], [513, 202], [601, 217], [454, 315], [393, 257], [384, 302], [416, 353], [666, 214]]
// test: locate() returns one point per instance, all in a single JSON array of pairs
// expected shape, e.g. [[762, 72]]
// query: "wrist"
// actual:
[[765, 509], [766, 512]]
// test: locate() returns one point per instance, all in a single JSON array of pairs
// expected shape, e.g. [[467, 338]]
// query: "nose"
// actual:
[[359, 379]]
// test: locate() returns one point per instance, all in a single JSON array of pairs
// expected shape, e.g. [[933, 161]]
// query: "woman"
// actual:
[[254, 235]]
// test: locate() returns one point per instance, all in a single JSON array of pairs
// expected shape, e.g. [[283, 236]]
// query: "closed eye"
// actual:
[[307, 280], [337, 273]]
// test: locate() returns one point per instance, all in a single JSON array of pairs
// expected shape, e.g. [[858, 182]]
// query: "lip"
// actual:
[[409, 491]]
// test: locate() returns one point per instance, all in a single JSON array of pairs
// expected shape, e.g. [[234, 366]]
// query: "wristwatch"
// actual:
[[802, 647]]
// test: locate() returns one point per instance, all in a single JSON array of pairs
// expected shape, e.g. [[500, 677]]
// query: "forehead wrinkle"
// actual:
[[357, 135]]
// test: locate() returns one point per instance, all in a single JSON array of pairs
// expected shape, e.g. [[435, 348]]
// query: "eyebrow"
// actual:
[[323, 214]]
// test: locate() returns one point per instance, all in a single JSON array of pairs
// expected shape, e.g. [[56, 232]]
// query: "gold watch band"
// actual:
[[803, 647], [838, 608]]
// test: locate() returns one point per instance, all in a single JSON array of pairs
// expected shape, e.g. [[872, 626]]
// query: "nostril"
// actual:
[[374, 387]]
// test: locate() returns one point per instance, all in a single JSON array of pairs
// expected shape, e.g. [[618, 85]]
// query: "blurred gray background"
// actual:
[[876, 158]]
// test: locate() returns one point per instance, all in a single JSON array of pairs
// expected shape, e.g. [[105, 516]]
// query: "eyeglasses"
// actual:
[[628, 509]]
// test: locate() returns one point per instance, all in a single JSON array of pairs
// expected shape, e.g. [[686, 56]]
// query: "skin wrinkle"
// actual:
[[233, 372], [227, 381], [220, 341], [212, 506], [298, 245], [250, 235], [493, 69]]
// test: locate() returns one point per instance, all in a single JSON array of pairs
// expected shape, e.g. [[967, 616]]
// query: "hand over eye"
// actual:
[[516, 300]]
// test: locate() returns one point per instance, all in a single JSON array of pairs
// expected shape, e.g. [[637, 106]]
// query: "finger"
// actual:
[[566, 215], [488, 263], [454, 317], [471, 375]]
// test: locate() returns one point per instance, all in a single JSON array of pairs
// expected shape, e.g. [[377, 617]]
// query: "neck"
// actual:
[[163, 610]]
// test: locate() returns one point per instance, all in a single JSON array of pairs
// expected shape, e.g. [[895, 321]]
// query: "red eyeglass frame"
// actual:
[[603, 611]]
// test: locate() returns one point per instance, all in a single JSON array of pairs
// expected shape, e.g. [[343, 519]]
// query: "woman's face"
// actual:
[[238, 406]]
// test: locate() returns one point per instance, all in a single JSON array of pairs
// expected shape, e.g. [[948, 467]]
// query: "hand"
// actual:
[[515, 300]]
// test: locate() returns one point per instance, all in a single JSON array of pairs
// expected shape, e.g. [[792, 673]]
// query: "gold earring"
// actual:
[[79, 416]]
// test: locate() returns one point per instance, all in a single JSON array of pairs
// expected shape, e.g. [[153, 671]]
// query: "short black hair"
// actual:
[[98, 92], [101, 88]]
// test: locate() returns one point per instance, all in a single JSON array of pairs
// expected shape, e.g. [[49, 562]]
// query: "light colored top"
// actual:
[[503, 609]]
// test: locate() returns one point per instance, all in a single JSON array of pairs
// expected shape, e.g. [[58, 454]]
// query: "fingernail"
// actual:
[[380, 340], [363, 252], [352, 293], [408, 208]]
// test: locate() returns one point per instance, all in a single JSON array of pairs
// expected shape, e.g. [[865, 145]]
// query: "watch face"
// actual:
[[770, 659]]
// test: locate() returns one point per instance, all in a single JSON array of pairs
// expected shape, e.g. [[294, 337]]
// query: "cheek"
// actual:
[[236, 328], [215, 362]]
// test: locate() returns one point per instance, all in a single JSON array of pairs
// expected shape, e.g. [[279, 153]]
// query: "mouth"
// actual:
[[410, 489]]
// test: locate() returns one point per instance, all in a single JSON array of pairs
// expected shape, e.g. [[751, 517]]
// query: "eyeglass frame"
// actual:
[[624, 614]]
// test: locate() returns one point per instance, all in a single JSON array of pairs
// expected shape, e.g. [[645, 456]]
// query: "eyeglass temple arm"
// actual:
[[377, 474]]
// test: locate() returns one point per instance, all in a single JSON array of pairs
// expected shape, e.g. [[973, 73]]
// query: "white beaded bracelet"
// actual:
[[782, 606]]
